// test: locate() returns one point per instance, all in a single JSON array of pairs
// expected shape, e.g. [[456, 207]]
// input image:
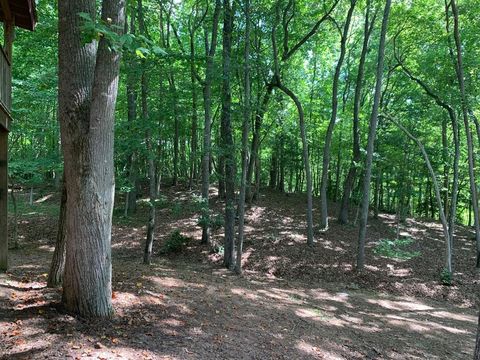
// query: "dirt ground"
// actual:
[[292, 302]]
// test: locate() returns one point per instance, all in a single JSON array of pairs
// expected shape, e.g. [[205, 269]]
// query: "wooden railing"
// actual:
[[5, 83]]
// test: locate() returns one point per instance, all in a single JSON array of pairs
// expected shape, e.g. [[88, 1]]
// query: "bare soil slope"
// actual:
[[292, 302]]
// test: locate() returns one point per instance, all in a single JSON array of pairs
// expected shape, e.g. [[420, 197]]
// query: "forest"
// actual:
[[240, 179]]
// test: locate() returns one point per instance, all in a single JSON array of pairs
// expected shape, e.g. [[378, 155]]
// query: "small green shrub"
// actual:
[[446, 277], [177, 209], [174, 243], [217, 222], [396, 249]]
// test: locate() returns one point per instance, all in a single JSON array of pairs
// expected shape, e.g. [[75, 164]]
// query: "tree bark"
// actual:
[[210, 48], [57, 266], [88, 84], [371, 140], [131, 196], [228, 146], [468, 132], [438, 195], [152, 188], [245, 132], [333, 120], [352, 172]]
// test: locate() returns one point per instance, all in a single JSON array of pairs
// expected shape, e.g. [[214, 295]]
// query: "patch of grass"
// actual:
[[396, 249], [174, 243]]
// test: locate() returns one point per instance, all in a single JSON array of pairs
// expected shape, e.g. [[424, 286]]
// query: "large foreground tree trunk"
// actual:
[[88, 84]]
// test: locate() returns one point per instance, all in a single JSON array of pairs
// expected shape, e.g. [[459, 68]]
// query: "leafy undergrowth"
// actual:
[[396, 249], [293, 302]]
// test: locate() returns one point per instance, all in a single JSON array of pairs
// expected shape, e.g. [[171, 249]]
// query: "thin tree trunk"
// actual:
[[176, 139], [468, 133], [352, 172], [210, 48], [57, 266], [152, 189], [371, 140], [438, 195], [131, 196], [245, 131], [333, 120], [228, 146], [306, 161], [194, 140]]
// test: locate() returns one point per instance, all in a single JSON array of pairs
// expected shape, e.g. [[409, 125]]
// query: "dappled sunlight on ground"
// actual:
[[292, 302]]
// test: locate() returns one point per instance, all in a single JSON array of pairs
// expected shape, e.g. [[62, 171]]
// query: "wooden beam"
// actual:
[[4, 118], [3, 200], [7, 13], [9, 37]]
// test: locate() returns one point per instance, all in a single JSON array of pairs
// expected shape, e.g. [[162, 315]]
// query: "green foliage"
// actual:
[[396, 249], [446, 277], [138, 44], [174, 243], [177, 208]]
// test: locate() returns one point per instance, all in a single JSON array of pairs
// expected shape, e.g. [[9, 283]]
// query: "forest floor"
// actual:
[[292, 302]]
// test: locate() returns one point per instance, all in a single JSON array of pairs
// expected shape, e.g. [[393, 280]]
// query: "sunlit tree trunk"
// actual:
[[468, 132], [88, 84], [371, 140], [210, 48], [245, 131], [228, 148], [333, 120], [352, 172]]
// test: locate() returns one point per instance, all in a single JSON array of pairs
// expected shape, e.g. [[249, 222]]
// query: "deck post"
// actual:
[[9, 34], [3, 199]]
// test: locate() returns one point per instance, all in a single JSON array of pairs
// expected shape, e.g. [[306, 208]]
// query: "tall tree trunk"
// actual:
[[194, 128], [352, 172], [306, 162], [228, 148], [176, 138], [333, 120], [57, 266], [210, 48], [152, 189], [371, 140], [468, 132], [456, 141], [438, 195], [88, 84], [245, 131], [131, 196]]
